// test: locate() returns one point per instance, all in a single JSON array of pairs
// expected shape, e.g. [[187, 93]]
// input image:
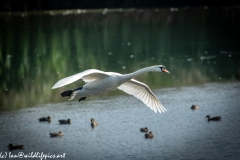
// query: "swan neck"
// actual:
[[138, 72]]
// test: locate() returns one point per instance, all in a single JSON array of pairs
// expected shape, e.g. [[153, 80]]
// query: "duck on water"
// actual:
[[13, 147], [218, 118]]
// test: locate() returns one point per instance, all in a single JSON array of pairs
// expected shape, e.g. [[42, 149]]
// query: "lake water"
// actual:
[[199, 46], [180, 133]]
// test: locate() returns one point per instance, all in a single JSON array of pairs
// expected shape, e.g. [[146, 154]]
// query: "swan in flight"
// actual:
[[99, 82]]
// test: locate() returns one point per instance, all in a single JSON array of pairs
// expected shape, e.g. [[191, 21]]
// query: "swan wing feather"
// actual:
[[143, 93], [87, 76]]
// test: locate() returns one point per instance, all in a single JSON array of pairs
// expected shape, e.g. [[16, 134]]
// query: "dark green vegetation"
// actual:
[[36, 50]]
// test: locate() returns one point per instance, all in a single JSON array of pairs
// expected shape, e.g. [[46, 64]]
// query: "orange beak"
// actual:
[[164, 70]]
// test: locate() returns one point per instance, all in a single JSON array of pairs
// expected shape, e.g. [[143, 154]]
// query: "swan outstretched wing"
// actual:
[[142, 92], [87, 76]]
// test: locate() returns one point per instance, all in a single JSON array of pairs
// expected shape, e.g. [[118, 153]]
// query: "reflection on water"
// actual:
[[197, 45], [180, 133]]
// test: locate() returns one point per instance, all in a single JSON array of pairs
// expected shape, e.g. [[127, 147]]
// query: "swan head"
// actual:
[[162, 69]]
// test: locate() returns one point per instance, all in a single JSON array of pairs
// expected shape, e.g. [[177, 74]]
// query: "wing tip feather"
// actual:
[[55, 86]]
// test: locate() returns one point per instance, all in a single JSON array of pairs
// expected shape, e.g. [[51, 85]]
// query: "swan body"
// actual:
[[99, 82]]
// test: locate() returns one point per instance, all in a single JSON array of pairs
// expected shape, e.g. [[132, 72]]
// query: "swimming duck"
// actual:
[[99, 82], [65, 121], [218, 118], [59, 134], [144, 129], [149, 135], [193, 107], [12, 147], [93, 122], [45, 119]]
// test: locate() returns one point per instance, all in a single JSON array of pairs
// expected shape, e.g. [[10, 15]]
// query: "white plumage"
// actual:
[[99, 82]]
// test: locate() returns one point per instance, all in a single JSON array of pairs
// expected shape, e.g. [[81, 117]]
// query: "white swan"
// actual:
[[99, 82]]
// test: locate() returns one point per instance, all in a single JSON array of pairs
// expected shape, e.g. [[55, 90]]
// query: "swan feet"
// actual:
[[66, 93], [69, 92], [82, 98]]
